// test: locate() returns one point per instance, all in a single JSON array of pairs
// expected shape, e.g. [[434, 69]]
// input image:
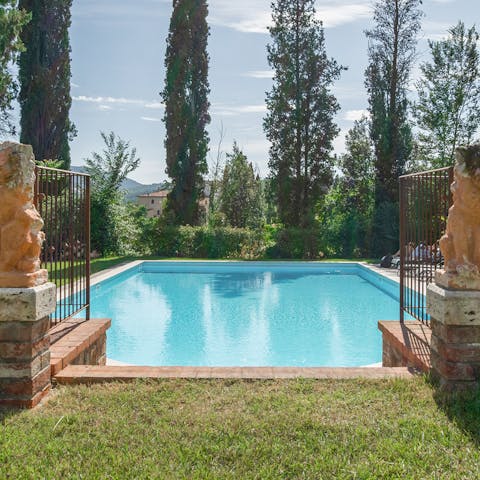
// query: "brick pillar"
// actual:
[[24, 344], [455, 346]]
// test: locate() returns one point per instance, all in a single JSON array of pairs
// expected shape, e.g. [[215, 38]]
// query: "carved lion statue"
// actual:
[[461, 243], [21, 237]]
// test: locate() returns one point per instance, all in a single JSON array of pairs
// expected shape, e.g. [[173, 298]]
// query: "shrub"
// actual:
[[228, 242], [296, 243], [204, 242]]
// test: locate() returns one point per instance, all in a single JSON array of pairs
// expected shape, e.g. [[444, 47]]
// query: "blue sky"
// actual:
[[118, 49]]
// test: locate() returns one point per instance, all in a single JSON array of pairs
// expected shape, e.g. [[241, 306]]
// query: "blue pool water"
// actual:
[[245, 314]]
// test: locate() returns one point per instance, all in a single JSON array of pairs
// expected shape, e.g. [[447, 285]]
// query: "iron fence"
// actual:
[[63, 200], [425, 199]]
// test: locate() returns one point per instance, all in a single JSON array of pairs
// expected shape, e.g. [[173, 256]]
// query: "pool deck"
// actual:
[[116, 371]]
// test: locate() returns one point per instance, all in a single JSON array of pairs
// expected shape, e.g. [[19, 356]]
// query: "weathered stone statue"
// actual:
[[21, 237], [461, 243]]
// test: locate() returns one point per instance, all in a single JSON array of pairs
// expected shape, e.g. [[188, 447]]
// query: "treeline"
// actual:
[[352, 200], [346, 205]]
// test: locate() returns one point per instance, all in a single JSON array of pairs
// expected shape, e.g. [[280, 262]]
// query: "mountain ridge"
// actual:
[[131, 187]]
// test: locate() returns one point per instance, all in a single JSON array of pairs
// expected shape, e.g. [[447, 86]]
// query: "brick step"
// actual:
[[408, 342], [81, 336], [81, 374]]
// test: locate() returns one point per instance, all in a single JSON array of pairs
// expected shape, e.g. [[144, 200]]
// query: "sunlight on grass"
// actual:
[[245, 430]]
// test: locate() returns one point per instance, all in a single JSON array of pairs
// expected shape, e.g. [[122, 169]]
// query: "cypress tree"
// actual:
[[391, 52], [301, 108], [44, 74], [241, 195], [12, 20], [186, 109]]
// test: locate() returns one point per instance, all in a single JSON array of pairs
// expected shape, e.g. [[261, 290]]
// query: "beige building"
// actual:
[[153, 202]]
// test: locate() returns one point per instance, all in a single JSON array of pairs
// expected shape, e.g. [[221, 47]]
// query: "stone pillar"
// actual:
[[455, 345], [24, 344], [454, 301], [26, 299]]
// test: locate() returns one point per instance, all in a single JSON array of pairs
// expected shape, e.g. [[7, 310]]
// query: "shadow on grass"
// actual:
[[8, 413], [462, 408]]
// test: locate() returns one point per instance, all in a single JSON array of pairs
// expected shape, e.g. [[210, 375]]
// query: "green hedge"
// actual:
[[227, 242]]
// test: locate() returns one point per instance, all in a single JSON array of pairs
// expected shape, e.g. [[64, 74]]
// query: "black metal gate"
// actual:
[[425, 199], [63, 200]]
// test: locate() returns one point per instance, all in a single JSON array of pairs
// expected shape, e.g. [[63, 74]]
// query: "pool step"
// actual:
[[81, 374], [73, 340]]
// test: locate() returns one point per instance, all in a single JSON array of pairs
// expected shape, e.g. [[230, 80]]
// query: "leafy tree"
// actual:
[[12, 21], [107, 170], [241, 196], [348, 207], [448, 107], [44, 74], [213, 216], [391, 53], [110, 168], [186, 109], [301, 108]]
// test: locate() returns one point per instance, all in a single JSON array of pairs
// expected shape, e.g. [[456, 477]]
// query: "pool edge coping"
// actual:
[[88, 374], [116, 270]]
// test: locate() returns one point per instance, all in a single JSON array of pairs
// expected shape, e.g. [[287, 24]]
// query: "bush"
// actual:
[[204, 242], [296, 243], [228, 242]]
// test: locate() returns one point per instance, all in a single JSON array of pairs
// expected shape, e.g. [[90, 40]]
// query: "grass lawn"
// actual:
[[397, 429]]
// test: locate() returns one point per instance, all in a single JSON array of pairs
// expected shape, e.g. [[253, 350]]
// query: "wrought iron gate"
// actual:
[[425, 199], [63, 200]]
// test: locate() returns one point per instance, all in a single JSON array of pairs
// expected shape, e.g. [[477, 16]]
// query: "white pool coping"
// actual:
[[113, 271]]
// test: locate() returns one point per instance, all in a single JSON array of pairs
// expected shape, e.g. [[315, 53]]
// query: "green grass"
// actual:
[[398, 429]]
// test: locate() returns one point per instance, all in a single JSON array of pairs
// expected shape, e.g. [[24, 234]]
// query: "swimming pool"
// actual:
[[245, 314]]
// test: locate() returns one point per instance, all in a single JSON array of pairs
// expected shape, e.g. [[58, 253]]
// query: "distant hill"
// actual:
[[131, 187]]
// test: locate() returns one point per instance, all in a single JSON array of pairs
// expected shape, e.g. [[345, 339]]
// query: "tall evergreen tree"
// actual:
[[301, 107], [241, 195], [44, 73], [448, 107], [12, 20], [348, 207], [391, 52], [186, 109]]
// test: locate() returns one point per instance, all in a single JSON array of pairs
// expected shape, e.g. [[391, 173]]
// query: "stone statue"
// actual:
[[461, 243], [21, 237]]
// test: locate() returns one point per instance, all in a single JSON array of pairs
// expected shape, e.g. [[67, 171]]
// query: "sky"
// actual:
[[118, 50]]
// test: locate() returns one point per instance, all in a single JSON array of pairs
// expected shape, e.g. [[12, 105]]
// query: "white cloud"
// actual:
[[259, 74], [74, 85], [109, 103], [339, 142], [150, 119], [254, 16], [108, 100], [155, 105], [233, 110], [334, 15], [435, 30], [353, 115]]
